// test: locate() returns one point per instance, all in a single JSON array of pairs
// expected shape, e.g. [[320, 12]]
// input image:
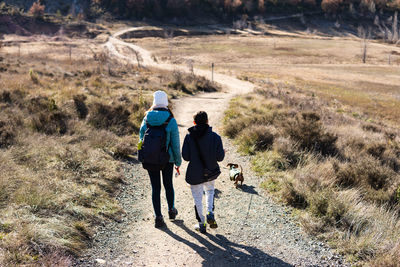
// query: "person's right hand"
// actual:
[[177, 170]]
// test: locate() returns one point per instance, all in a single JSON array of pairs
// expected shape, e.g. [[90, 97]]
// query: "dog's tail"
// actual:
[[241, 169]]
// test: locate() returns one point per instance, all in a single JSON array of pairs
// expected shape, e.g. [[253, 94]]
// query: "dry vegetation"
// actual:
[[322, 129], [308, 61], [342, 174], [66, 124]]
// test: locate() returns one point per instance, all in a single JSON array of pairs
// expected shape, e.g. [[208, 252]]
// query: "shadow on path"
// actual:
[[248, 189], [219, 251]]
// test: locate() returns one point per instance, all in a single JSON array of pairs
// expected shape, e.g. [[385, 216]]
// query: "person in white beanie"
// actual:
[[160, 115]]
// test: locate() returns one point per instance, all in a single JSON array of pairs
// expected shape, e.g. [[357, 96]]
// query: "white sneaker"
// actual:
[[201, 227]]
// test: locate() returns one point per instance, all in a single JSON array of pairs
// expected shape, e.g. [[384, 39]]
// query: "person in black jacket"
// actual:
[[211, 151]]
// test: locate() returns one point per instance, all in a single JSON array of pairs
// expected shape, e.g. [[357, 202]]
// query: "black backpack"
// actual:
[[154, 151]]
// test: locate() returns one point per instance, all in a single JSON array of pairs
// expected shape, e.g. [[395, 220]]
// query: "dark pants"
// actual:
[[155, 179]]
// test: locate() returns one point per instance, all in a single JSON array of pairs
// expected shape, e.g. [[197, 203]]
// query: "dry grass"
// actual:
[[340, 172], [65, 127], [328, 67]]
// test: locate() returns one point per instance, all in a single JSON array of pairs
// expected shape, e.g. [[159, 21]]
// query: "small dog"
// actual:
[[235, 174]]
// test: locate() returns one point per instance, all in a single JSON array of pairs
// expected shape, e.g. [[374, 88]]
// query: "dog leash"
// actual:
[[248, 209]]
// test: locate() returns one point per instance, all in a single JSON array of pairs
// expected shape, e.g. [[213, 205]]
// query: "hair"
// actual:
[[200, 117], [167, 108]]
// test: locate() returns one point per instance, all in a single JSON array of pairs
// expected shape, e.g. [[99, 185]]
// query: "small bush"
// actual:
[[234, 126], [50, 122], [80, 106], [269, 161], [307, 130], [5, 97], [179, 86], [124, 149], [331, 6], [34, 77], [319, 202], [37, 10], [371, 128], [205, 85], [115, 119], [376, 149], [7, 134], [374, 179], [256, 138], [293, 197], [41, 104], [366, 171], [289, 150]]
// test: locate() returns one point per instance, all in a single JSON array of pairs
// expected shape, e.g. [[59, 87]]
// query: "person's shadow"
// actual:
[[225, 253]]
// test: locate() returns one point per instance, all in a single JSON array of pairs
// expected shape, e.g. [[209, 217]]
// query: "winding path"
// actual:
[[253, 230]]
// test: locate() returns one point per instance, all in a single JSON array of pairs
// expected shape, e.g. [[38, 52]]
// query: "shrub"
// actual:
[[307, 130], [268, 161], [390, 159], [319, 202], [124, 149], [179, 86], [115, 119], [376, 149], [50, 122], [371, 128], [178, 83], [80, 106], [374, 179], [292, 196], [34, 77], [289, 150], [205, 85], [234, 126], [331, 6], [41, 104], [256, 138], [5, 97], [7, 134], [37, 10]]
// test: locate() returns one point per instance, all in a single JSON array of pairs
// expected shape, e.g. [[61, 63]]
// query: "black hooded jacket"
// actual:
[[211, 148]]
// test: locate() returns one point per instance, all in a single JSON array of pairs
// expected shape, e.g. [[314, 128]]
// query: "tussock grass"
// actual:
[[340, 172]]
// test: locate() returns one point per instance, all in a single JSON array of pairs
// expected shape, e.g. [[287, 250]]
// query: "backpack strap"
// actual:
[[165, 124]]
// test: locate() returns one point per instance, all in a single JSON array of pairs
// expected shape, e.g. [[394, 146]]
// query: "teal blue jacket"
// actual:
[[158, 117]]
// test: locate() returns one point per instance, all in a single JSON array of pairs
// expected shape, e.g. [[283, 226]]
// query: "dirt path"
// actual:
[[253, 230]]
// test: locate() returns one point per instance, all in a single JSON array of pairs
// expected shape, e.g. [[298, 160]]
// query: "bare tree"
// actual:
[[169, 35], [395, 32], [139, 58], [364, 35], [190, 63], [1, 41]]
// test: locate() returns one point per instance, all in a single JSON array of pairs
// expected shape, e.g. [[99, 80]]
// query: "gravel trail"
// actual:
[[253, 230]]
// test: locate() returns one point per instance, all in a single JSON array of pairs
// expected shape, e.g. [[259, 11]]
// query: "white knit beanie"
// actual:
[[160, 99]]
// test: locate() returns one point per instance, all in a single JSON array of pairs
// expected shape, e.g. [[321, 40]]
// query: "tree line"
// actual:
[[231, 8]]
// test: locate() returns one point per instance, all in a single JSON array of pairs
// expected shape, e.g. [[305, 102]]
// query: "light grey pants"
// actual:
[[197, 193]]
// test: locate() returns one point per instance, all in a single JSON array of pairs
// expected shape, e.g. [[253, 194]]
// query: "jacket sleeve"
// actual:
[[143, 128], [186, 149], [220, 149], [175, 143]]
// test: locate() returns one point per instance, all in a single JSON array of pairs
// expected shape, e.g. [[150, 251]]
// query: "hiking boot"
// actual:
[[159, 222], [172, 213], [211, 220], [201, 227]]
